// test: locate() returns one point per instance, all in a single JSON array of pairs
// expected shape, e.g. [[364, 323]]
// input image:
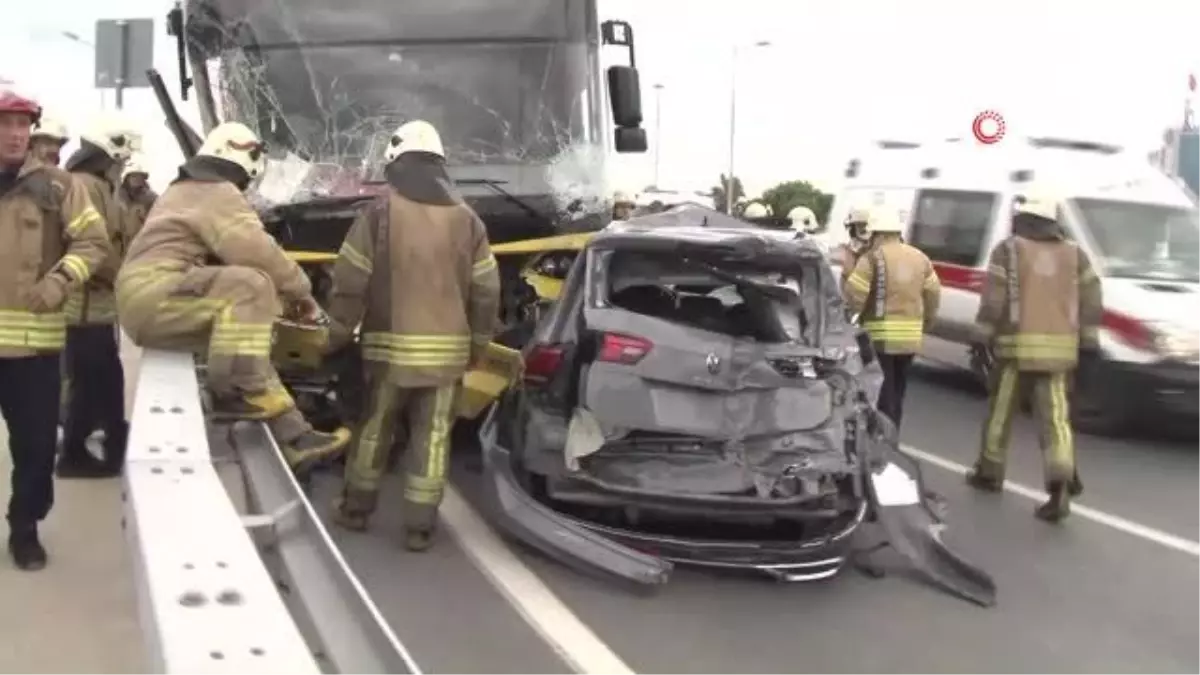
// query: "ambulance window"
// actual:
[[952, 226]]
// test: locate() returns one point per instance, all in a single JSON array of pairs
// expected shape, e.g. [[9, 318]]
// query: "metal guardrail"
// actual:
[[212, 597]]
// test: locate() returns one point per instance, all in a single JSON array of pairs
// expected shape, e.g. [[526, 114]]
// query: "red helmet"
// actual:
[[10, 102]]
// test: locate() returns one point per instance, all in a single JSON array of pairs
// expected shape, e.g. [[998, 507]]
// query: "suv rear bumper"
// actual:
[[640, 557]]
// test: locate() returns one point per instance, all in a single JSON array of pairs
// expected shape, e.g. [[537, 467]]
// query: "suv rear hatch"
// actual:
[[703, 379]]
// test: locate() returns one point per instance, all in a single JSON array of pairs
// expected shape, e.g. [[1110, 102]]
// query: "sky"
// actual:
[[836, 76]]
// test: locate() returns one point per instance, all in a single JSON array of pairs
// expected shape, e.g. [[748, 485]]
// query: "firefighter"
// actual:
[[417, 273], [802, 219], [856, 228], [755, 210], [1041, 306], [47, 141], [895, 291], [57, 239], [169, 297], [623, 206], [134, 196], [95, 381]]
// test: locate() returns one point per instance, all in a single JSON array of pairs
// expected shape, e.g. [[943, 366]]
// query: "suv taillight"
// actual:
[[542, 362], [626, 349]]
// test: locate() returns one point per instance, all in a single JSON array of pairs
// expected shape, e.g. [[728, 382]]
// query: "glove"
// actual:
[[308, 311], [48, 294]]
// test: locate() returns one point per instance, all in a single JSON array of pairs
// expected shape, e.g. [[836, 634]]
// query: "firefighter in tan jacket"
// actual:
[[169, 296], [417, 273], [53, 241], [94, 382], [856, 228], [135, 197], [1041, 305], [895, 291]]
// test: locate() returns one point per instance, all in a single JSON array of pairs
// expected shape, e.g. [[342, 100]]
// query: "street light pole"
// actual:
[[75, 37], [658, 88], [729, 180]]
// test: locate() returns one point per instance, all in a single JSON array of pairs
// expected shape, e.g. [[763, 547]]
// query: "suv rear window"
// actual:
[[668, 288]]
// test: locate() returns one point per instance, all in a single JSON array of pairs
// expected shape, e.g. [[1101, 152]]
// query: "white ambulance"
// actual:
[[1139, 227]]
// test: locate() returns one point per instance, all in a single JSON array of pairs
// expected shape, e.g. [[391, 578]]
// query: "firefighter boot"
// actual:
[[418, 539], [986, 476], [352, 509], [1058, 506], [262, 406], [312, 447], [1075, 487], [26, 549]]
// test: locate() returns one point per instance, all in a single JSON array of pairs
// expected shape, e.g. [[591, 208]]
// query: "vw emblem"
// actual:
[[713, 362]]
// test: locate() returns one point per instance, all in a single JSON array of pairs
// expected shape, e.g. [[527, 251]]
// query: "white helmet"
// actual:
[[235, 142], [133, 166], [115, 135], [755, 210], [884, 220], [414, 136], [802, 218], [622, 198], [50, 128], [1038, 204]]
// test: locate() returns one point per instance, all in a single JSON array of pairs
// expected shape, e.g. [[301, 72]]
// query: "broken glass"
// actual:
[[515, 94]]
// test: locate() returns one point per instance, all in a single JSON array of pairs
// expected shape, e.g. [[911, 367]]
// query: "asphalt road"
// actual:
[[1086, 596]]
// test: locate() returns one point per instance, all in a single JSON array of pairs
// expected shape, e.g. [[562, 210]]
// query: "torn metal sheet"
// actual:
[[914, 528]]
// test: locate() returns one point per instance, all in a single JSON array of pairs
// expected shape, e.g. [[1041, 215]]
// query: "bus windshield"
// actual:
[[1143, 241], [507, 83], [492, 103]]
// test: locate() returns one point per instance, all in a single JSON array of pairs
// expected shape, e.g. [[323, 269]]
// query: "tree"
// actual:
[[718, 192], [788, 195]]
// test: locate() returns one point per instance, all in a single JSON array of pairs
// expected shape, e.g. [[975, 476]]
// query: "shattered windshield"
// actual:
[[507, 103], [508, 83], [1143, 241]]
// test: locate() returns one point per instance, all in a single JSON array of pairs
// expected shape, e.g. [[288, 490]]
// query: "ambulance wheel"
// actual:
[[1095, 414]]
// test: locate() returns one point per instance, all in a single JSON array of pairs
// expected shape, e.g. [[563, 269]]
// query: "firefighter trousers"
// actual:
[[97, 400], [895, 384], [428, 414], [227, 313], [1051, 409], [29, 403]]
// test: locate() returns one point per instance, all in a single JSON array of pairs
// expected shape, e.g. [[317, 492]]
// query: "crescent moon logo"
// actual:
[[988, 127]]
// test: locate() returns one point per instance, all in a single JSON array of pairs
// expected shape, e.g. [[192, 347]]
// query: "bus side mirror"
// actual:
[[624, 91], [630, 139]]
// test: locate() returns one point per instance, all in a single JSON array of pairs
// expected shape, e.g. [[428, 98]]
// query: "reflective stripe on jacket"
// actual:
[[47, 226], [896, 292]]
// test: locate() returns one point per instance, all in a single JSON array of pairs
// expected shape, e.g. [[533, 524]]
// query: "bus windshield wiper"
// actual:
[[509, 197]]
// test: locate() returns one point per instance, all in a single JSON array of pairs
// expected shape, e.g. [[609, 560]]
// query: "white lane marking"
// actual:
[[1094, 515], [565, 632]]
